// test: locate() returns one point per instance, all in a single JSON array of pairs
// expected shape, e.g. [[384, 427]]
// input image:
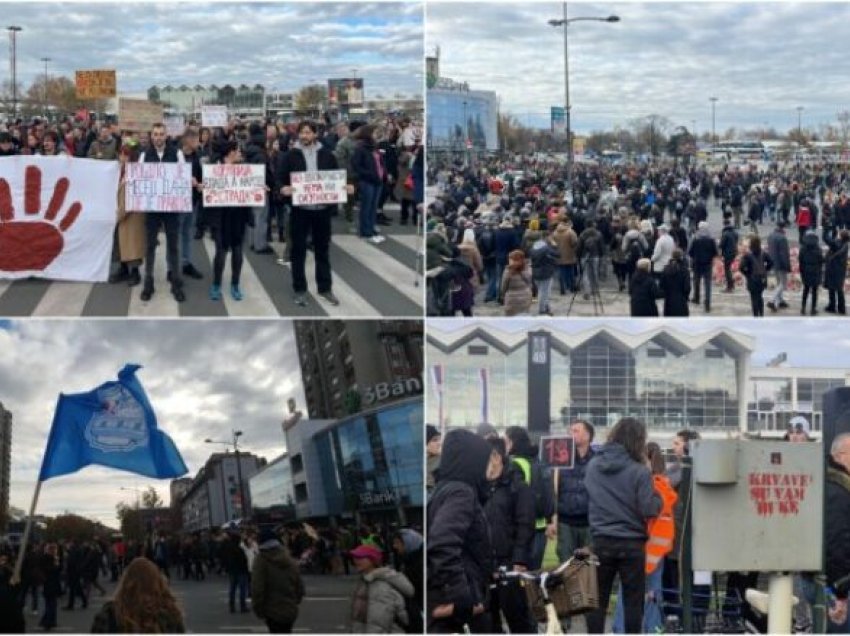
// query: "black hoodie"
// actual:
[[460, 559]]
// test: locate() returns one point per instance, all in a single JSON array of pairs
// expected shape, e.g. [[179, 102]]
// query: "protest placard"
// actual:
[[234, 184], [59, 217], [175, 125], [158, 187], [214, 116], [95, 84], [138, 114], [324, 187], [557, 451]]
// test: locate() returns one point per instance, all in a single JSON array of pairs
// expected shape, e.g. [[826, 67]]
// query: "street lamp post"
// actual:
[[235, 444], [713, 133], [466, 133], [564, 22], [44, 105], [799, 124], [13, 32]]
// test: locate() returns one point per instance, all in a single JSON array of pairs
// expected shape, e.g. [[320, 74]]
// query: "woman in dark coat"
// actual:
[[836, 272], [643, 291], [676, 285], [228, 227], [754, 266], [811, 269], [52, 585]]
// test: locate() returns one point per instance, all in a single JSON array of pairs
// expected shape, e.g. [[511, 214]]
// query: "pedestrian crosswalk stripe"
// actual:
[[370, 256], [256, 301], [62, 300], [410, 241]]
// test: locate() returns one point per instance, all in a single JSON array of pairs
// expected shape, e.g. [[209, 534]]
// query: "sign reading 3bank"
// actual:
[[385, 391]]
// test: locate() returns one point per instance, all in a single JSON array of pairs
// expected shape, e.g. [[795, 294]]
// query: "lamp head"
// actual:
[[612, 18]]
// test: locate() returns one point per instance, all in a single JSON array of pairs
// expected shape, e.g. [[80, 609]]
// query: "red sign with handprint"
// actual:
[[57, 215]]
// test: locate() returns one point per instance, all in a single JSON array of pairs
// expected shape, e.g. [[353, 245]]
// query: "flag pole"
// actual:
[[19, 564]]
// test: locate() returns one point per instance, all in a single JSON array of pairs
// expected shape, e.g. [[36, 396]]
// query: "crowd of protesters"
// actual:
[[264, 564], [624, 500], [509, 231], [384, 161]]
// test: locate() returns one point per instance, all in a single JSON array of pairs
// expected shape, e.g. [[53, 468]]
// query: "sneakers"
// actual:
[[377, 239], [147, 290], [329, 296], [236, 293], [215, 292], [190, 271], [301, 299]]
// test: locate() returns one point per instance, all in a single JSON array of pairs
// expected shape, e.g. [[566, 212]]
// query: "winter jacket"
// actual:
[[460, 558], [294, 161], [544, 259], [510, 514], [729, 243], [233, 557], [386, 591], [276, 585], [748, 269], [780, 253], [515, 290], [663, 252], [836, 513], [572, 494], [567, 242], [622, 497], [811, 260], [676, 288], [343, 152], [836, 265], [363, 163], [643, 292], [506, 242], [590, 244], [703, 251]]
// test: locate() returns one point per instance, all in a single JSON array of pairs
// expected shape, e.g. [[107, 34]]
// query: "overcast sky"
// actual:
[[203, 378], [808, 342], [282, 45], [761, 60]]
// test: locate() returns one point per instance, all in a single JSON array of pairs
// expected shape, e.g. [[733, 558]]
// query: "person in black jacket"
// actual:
[[510, 513], [811, 270], [256, 154], [11, 601], [52, 585], [408, 545], [643, 291], [235, 563], [754, 266], [307, 155], [703, 251], [728, 250], [74, 575], [367, 164], [460, 556], [836, 271], [573, 528], [676, 285], [837, 528], [622, 500], [189, 146], [544, 256]]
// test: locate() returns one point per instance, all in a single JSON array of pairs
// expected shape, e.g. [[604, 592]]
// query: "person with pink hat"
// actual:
[[378, 603]]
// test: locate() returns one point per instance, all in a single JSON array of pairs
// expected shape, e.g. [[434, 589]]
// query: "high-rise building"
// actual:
[[5, 465], [349, 365]]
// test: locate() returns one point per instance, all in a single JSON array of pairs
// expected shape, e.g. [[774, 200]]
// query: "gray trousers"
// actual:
[[781, 284], [571, 538], [261, 224]]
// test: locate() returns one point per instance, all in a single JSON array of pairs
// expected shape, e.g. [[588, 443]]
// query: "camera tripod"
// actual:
[[598, 307]]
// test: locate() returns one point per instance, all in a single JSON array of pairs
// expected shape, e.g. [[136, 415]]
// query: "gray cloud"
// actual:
[[203, 378], [282, 45], [761, 60]]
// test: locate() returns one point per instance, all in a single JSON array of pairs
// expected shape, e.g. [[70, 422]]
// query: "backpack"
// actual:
[[633, 252]]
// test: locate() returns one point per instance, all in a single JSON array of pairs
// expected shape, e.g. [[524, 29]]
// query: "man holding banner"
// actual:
[[159, 152], [308, 156]]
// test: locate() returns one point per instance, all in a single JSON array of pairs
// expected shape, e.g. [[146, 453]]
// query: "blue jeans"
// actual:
[[566, 272], [544, 288], [240, 581], [591, 274], [187, 229], [538, 547], [652, 619], [261, 225], [704, 276], [370, 193], [491, 273]]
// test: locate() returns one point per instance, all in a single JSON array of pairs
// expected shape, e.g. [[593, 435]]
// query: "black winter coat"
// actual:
[[836, 265], [363, 163], [544, 259], [811, 261], [572, 493], [460, 557], [676, 288], [729, 243], [294, 161], [837, 526], [510, 513], [703, 250], [643, 291]]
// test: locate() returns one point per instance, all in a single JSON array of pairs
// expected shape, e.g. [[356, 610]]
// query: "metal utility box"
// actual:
[[757, 506]]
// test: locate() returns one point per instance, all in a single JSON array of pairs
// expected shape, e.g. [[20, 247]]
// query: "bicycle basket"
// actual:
[[576, 593]]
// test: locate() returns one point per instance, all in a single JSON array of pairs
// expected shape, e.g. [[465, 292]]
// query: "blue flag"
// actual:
[[113, 425]]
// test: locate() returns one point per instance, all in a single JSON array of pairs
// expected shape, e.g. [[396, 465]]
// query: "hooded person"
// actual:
[[408, 546], [379, 601], [460, 558], [276, 585]]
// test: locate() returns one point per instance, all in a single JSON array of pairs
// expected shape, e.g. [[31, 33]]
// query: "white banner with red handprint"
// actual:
[[57, 217]]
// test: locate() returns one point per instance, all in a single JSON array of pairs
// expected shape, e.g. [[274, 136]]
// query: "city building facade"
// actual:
[[5, 465], [342, 362]]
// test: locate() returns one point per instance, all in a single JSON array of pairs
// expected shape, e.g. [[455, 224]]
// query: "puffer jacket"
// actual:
[[386, 591], [276, 585], [567, 242]]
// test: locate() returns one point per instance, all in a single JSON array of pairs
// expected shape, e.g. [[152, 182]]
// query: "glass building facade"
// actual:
[[660, 381], [453, 116], [776, 395], [373, 462], [273, 491]]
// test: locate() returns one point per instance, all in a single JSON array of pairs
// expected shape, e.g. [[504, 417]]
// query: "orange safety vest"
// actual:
[[661, 529]]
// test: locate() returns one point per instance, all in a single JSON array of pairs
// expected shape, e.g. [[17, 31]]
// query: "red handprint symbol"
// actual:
[[33, 244]]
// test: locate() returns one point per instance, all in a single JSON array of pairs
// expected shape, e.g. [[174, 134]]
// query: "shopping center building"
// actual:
[[670, 379]]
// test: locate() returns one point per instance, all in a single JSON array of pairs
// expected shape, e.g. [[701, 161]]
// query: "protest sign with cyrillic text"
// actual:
[[234, 184], [324, 187], [158, 187]]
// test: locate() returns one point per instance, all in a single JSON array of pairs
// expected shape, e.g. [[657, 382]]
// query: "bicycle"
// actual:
[[545, 581]]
